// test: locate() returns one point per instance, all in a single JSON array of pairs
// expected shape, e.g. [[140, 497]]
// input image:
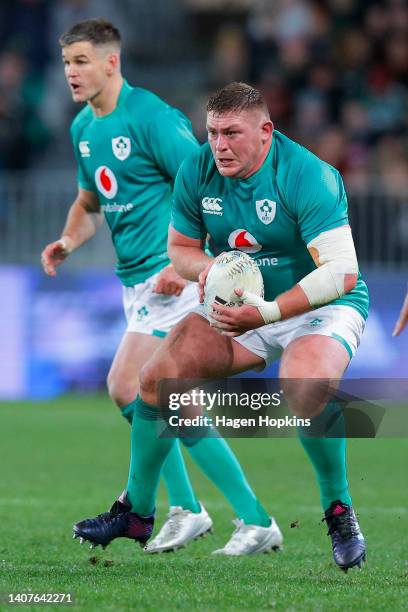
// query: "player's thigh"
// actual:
[[310, 369], [192, 350], [132, 353]]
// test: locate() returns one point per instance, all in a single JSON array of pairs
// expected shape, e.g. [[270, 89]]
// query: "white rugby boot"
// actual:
[[181, 527], [251, 539]]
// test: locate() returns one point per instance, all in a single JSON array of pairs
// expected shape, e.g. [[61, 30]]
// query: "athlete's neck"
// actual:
[[260, 161], [106, 100]]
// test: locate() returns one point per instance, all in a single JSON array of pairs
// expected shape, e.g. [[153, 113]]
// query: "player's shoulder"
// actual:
[[144, 106], [81, 120], [201, 164], [143, 99], [295, 164]]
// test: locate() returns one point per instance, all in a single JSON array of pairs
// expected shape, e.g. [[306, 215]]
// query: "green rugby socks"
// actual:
[[216, 459], [328, 454], [179, 487], [127, 411], [211, 453], [174, 472], [148, 452]]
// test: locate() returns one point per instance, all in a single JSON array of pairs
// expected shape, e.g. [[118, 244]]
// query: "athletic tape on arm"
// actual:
[[64, 242], [269, 311], [334, 254]]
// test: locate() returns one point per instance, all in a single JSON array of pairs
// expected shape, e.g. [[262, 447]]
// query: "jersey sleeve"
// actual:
[[83, 181], [171, 140], [317, 198], [186, 217]]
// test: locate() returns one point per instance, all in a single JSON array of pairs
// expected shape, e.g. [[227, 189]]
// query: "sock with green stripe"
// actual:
[[216, 459], [148, 452], [325, 444], [174, 472]]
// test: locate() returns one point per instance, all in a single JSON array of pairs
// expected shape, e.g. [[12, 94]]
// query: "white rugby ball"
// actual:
[[232, 270]]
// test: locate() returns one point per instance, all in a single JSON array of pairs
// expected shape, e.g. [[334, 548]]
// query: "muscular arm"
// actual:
[[187, 255], [84, 219], [335, 275]]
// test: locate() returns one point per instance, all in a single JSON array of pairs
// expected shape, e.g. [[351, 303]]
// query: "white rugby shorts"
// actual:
[[154, 313], [343, 323]]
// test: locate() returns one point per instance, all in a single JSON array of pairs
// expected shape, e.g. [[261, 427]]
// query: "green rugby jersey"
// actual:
[[130, 158], [272, 215]]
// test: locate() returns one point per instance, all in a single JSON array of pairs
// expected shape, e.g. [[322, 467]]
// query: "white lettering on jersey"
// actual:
[[111, 208], [211, 206], [84, 148]]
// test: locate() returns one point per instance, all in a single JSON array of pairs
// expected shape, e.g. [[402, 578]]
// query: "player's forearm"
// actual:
[[336, 274], [294, 302], [188, 261], [81, 225]]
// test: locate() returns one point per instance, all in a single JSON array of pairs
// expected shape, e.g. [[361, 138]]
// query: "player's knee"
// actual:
[[306, 397], [148, 381], [121, 392]]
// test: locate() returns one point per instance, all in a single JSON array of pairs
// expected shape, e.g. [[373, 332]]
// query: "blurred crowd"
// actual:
[[335, 75], [334, 72]]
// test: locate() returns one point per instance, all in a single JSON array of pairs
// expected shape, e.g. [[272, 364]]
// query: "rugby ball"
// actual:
[[232, 270]]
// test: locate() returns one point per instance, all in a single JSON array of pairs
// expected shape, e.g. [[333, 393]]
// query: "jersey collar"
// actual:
[[123, 94]]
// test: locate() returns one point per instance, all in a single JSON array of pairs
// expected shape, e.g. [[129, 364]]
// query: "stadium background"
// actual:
[[335, 76]]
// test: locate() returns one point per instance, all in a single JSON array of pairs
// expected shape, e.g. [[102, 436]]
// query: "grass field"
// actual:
[[65, 460]]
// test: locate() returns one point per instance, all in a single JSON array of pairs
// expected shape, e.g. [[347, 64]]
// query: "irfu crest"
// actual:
[[266, 210], [121, 147]]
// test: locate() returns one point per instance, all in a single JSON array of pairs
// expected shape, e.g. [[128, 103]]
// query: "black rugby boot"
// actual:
[[118, 522], [348, 543]]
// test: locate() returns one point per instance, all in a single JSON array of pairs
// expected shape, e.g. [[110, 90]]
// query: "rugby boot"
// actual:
[[181, 527], [348, 543], [252, 539], [118, 522]]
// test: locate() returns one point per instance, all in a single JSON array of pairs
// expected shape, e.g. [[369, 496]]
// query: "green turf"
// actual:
[[65, 460]]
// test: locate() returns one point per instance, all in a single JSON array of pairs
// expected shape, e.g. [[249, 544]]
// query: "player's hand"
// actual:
[[235, 321], [169, 282], [402, 319], [54, 254], [202, 279]]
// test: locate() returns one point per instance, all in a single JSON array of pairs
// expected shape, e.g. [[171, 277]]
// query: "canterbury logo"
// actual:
[[212, 206]]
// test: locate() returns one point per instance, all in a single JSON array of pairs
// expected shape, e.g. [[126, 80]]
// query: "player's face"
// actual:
[[239, 141], [86, 69]]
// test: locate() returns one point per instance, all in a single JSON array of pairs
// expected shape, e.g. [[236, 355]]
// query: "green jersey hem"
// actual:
[[141, 274]]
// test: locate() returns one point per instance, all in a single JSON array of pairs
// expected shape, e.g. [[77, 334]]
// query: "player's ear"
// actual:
[[267, 129], [113, 63]]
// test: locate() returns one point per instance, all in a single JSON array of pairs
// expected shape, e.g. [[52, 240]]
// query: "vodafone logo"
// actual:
[[106, 182], [244, 241]]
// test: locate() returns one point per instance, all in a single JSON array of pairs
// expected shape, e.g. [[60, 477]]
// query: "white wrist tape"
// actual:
[[65, 243], [269, 311], [334, 254]]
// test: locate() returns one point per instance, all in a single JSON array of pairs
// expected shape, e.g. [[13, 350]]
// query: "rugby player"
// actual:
[[129, 145], [288, 209]]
